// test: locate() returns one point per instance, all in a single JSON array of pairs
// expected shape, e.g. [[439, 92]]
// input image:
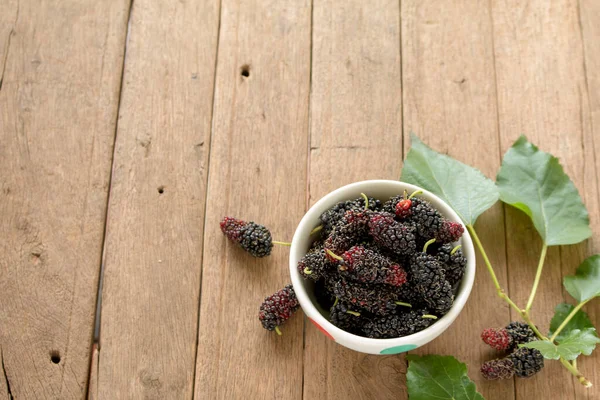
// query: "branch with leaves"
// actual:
[[534, 182]]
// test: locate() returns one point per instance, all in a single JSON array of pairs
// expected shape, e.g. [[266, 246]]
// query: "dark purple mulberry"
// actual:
[[330, 218], [428, 278], [454, 262], [314, 265], [509, 337], [350, 230], [376, 299], [252, 237], [346, 318], [364, 265], [397, 325], [527, 362], [523, 362], [431, 224], [393, 235], [278, 308], [520, 333]]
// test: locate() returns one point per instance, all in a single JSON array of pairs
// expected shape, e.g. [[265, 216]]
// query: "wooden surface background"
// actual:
[[128, 129]]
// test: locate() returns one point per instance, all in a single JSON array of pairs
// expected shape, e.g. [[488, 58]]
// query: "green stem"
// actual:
[[401, 303], [525, 313], [416, 192], [281, 243], [454, 250], [427, 245], [566, 321], [538, 275], [364, 196], [575, 373], [317, 229], [332, 254], [428, 316], [526, 318], [356, 314], [486, 259], [277, 330]]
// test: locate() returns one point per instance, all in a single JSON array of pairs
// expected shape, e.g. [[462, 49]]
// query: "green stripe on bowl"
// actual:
[[399, 349]]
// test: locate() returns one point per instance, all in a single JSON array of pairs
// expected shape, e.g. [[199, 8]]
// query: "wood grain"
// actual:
[[356, 134], [450, 103], [542, 93], [588, 179], [93, 382], [156, 209], [257, 172], [60, 69]]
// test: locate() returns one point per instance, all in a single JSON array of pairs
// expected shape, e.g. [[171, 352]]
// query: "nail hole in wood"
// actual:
[[245, 71], [161, 189], [54, 356]]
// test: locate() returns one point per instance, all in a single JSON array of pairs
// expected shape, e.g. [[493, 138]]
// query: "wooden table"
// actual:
[[129, 128]]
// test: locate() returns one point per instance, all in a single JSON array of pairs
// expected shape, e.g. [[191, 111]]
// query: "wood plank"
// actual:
[[542, 93], [589, 15], [155, 217], [356, 126], [5, 392], [61, 66], [450, 102], [93, 382], [257, 172]]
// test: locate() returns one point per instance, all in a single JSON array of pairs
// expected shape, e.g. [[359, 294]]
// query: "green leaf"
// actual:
[[585, 284], [439, 377], [579, 321], [463, 187], [534, 182], [578, 341]]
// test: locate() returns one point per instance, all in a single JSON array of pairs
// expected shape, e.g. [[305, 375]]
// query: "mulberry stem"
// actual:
[[281, 243], [428, 316], [524, 313], [526, 318], [416, 192], [566, 321], [454, 250], [576, 373], [427, 245], [278, 331], [401, 303], [307, 271], [486, 260], [317, 229], [356, 314], [364, 196], [332, 254], [538, 275]]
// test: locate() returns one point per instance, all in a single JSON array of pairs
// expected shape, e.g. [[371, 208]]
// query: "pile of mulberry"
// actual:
[[399, 324], [368, 265], [522, 362]]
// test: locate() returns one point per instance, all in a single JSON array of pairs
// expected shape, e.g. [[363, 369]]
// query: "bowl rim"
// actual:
[[307, 224]]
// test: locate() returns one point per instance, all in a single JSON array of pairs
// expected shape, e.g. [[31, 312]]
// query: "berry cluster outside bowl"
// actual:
[[302, 240]]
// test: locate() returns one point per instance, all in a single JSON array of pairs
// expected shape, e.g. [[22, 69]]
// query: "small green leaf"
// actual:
[[578, 341], [534, 182], [585, 284], [463, 187], [439, 377], [579, 321], [548, 350]]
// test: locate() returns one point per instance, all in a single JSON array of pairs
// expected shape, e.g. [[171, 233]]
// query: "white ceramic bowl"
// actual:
[[382, 190]]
